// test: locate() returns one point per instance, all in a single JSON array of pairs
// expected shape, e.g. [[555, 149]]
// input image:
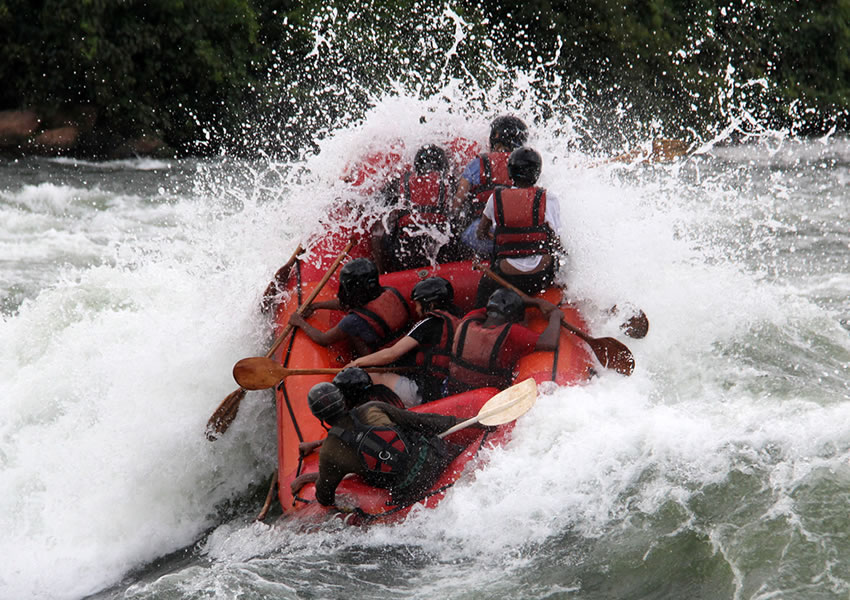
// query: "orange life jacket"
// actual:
[[386, 315], [519, 215], [494, 173], [435, 360], [424, 198], [475, 354]]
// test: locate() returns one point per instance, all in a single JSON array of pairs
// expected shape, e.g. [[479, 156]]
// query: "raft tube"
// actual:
[[569, 364]]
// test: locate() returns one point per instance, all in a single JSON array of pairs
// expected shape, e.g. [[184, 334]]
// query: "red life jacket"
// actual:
[[381, 449], [493, 167], [435, 360], [475, 354], [391, 458], [424, 198], [386, 315], [519, 215]]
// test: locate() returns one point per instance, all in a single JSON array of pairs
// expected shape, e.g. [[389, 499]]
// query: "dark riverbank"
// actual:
[[71, 132], [111, 80]]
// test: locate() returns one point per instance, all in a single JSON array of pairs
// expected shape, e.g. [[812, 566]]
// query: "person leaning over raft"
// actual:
[[390, 448], [489, 341], [525, 222], [376, 314], [482, 176], [429, 342], [357, 388]]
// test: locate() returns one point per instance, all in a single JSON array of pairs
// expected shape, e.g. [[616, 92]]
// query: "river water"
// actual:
[[718, 470]]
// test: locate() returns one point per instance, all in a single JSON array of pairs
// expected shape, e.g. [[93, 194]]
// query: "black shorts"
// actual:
[[531, 284]]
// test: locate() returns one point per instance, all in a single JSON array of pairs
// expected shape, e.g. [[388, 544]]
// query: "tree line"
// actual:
[[268, 76]]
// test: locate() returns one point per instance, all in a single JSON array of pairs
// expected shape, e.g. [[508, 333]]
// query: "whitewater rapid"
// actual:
[[130, 289]]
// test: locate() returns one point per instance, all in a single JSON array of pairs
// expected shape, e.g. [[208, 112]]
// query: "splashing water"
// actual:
[[719, 469]]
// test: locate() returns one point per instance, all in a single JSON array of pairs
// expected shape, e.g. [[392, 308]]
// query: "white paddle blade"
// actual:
[[502, 408], [509, 404]]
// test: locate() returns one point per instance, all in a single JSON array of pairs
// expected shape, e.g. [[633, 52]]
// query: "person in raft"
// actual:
[[376, 314], [415, 231], [428, 345], [360, 387], [482, 176], [523, 222], [489, 341], [390, 448], [357, 388]]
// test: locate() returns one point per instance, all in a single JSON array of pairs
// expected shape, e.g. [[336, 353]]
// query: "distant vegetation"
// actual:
[[195, 74]]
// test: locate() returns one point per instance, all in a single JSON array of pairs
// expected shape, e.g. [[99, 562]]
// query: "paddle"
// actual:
[[636, 326], [502, 408], [269, 497], [663, 150], [223, 416], [261, 373], [611, 353], [278, 281]]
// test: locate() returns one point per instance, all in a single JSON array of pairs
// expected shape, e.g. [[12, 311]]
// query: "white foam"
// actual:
[[109, 373], [135, 164]]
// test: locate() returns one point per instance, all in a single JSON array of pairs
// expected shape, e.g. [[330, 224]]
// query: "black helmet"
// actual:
[[358, 283], [430, 158], [524, 166], [434, 291], [509, 131], [353, 382], [325, 401], [507, 303]]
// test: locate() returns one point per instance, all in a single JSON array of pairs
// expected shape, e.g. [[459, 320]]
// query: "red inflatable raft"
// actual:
[[569, 364]]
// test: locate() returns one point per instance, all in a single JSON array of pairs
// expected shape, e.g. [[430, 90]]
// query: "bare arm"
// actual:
[[335, 462], [376, 243], [301, 481], [305, 448], [387, 355], [460, 195], [544, 306], [424, 422], [483, 232], [548, 340], [333, 304], [278, 283], [323, 338]]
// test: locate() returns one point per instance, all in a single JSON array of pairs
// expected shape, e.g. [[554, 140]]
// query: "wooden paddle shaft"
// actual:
[[262, 373], [226, 412], [611, 353], [504, 283], [332, 370], [328, 274]]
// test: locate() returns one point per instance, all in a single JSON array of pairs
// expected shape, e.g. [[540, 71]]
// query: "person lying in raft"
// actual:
[[489, 341], [376, 314], [482, 176], [417, 224], [357, 388], [428, 345], [390, 448], [523, 221]]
